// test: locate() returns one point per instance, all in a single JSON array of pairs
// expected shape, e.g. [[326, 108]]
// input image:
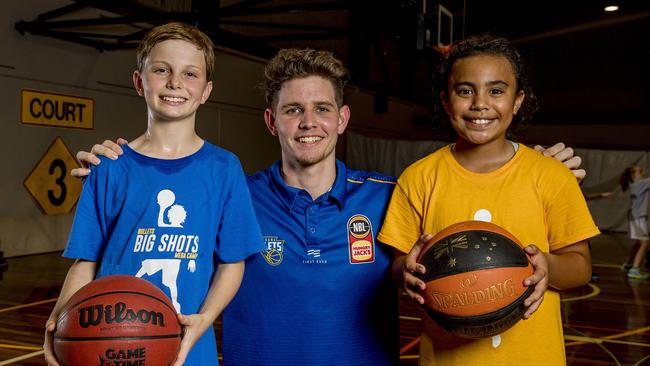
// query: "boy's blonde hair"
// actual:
[[180, 31]]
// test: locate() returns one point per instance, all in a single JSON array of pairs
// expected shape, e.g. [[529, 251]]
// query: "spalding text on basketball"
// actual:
[[91, 316], [442, 301]]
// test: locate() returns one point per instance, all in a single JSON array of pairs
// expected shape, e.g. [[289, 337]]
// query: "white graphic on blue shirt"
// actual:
[[170, 269], [176, 214], [183, 246], [313, 253]]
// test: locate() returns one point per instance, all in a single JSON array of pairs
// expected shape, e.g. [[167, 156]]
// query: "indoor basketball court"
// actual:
[[66, 76], [606, 322]]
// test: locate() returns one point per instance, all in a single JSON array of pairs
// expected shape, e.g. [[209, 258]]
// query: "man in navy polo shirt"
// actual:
[[320, 292]]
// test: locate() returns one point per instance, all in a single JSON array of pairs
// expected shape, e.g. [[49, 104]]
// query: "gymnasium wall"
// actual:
[[232, 118], [604, 167]]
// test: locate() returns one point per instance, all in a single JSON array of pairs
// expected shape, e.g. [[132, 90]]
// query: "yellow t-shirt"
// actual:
[[534, 197]]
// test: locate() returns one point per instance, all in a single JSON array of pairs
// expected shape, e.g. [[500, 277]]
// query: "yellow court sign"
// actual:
[[53, 109], [50, 182]]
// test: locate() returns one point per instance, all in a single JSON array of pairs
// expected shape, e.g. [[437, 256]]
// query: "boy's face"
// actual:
[[307, 120], [482, 98], [173, 81]]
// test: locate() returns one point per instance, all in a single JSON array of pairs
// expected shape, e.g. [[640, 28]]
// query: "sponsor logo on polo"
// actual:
[[361, 243], [274, 251]]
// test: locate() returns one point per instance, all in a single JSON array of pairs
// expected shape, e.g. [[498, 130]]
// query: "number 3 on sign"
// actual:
[[50, 182], [60, 181]]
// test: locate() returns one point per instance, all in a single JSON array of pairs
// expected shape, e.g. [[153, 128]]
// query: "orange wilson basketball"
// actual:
[[475, 279], [117, 320]]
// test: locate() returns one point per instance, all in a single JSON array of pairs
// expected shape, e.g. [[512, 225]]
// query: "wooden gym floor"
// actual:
[[605, 322]]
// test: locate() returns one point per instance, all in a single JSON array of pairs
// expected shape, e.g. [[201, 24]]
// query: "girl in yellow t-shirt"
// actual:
[[484, 176]]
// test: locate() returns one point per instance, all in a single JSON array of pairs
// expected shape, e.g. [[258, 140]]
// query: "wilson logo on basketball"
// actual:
[[496, 292], [92, 316]]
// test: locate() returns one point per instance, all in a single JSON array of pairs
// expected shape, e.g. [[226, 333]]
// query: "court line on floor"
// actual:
[[409, 357], [15, 346], [20, 358], [640, 362], [595, 292], [610, 338], [405, 317], [412, 344], [27, 305], [590, 327]]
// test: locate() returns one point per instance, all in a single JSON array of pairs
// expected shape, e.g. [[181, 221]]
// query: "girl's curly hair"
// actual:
[[484, 44]]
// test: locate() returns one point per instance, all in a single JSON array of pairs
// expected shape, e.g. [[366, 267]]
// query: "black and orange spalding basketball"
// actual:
[[117, 320], [475, 279]]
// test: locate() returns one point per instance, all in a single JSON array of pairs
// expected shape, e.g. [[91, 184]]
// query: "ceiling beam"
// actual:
[[245, 23], [290, 8]]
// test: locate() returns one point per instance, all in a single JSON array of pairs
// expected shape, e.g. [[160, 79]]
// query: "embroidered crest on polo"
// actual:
[[274, 252], [361, 242]]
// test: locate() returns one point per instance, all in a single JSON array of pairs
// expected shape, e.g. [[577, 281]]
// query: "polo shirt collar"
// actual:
[[289, 195], [339, 189]]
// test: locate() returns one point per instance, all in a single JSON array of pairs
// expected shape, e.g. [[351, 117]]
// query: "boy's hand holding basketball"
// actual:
[[193, 328], [539, 279], [50, 327]]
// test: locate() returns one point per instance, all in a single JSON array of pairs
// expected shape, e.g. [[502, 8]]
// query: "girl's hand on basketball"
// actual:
[[50, 358], [412, 284], [108, 148], [539, 279], [193, 328]]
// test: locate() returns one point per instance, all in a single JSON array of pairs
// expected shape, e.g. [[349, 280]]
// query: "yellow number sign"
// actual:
[[50, 182]]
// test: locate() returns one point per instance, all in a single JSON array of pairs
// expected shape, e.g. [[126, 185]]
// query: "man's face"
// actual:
[[307, 121]]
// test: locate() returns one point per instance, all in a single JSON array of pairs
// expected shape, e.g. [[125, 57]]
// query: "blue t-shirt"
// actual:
[[169, 222], [320, 293]]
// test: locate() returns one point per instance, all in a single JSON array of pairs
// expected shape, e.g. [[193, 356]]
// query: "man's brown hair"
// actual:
[[293, 63]]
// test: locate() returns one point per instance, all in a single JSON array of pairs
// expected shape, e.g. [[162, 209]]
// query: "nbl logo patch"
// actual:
[[360, 240]]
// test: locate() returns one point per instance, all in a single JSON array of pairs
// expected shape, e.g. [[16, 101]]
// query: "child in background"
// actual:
[[484, 176], [157, 213], [634, 179]]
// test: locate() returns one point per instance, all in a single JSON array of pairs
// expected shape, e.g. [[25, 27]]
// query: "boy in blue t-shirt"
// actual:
[[157, 213]]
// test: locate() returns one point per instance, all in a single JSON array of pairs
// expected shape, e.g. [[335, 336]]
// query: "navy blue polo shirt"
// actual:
[[320, 292]]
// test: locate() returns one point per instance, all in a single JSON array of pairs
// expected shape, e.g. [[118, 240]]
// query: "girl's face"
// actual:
[[482, 98]]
